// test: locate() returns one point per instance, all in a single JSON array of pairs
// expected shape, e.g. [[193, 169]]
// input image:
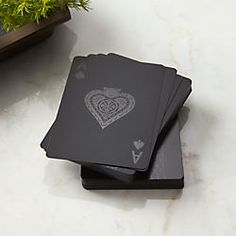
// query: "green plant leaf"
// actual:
[[16, 13]]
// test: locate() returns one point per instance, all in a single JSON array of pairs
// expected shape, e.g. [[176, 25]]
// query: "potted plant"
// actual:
[[26, 22]]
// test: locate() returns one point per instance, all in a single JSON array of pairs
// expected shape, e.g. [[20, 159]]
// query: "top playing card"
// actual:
[[108, 118]]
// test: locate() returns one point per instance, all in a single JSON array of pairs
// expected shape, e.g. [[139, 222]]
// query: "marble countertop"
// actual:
[[45, 197]]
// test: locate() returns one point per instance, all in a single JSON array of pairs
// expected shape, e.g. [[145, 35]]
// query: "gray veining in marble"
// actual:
[[44, 197]]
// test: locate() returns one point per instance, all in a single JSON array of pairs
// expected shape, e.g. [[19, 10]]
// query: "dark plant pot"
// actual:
[[32, 33]]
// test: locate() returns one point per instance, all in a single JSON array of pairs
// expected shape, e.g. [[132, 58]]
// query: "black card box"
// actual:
[[166, 171]]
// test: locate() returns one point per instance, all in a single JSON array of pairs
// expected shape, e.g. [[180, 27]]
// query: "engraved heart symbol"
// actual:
[[138, 144], [109, 105]]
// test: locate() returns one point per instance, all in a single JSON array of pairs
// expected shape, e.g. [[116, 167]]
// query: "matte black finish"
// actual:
[[167, 97], [166, 171], [77, 136]]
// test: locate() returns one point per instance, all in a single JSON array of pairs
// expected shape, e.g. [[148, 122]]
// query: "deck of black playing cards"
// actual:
[[118, 119]]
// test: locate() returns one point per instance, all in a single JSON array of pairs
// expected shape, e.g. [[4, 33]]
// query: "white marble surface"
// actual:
[[44, 197]]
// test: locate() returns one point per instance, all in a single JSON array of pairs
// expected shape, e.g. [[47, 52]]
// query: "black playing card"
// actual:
[[84, 134], [166, 171], [177, 101], [124, 173]]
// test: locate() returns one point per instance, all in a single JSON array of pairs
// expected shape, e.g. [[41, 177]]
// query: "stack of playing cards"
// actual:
[[118, 119]]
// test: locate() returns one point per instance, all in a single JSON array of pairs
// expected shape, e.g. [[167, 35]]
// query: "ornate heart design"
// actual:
[[109, 105]]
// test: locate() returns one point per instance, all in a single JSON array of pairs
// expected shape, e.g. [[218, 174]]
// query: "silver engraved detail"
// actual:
[[138, 144], [109, 105], [136, 156]]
